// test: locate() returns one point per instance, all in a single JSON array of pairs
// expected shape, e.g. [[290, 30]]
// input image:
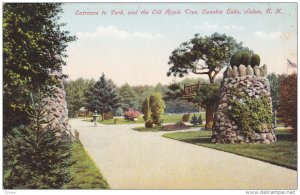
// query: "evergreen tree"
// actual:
[[157, 106], [34, 46], [129, 97], [36, 156], [146, 109], [103, 97]]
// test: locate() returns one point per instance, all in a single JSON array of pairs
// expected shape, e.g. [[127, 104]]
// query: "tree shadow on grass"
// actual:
[[201, 140]]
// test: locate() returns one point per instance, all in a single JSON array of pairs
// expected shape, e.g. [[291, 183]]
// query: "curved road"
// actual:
[[130, 159]]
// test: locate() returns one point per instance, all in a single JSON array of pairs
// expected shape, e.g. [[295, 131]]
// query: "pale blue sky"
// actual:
[[135, 48]]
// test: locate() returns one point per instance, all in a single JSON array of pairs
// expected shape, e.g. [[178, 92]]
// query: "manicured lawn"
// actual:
[[283, 152], [85, 174], [144, 129], [168, 118]]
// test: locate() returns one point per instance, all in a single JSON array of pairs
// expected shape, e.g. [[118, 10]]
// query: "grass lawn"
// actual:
[[168, 118], [283, 152], [85, 174]]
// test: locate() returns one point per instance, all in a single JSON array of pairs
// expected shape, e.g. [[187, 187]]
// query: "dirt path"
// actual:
[[145, 160]]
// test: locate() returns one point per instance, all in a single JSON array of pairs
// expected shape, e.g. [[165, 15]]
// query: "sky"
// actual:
[[135, 49]]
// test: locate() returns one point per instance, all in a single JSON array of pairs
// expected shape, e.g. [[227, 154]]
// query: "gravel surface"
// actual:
[[130, 159]]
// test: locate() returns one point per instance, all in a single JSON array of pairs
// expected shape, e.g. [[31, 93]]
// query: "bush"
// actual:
[[255, 60], [36, 156], [288, 102], [185, 118], [149, 124], [246, 58], [146, 109], [200, 120], [157, 106], [236, 59], [194, 120], [131, 114]]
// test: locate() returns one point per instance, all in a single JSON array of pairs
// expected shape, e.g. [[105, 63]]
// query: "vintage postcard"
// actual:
[[150, 96]]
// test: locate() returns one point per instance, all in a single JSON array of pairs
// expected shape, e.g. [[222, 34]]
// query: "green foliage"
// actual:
[[255, 60], [174, 92], [249, 113], [200, 120], [275, 81], [76, 94], [36, 156], [146, 109], [157, 106], [288, 102], [215, 52], [84, 172], [149, 124], [34, 46], [194, 120], [206, 95], [129, 98], [103, 96], [246, 58], [236, 59]]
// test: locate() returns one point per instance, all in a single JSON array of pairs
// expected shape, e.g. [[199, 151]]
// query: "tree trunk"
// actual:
[[102, 116], [210, 109]]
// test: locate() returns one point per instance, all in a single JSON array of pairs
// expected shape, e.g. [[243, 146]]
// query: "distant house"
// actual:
[[83, 112]]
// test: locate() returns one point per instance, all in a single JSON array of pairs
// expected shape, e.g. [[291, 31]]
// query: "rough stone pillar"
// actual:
[[56, 108], [253, 83]]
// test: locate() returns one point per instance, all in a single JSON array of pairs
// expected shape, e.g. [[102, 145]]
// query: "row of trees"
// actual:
[[131, 97], [34, 46]]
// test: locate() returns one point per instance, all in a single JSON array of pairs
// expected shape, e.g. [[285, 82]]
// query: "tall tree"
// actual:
[[146, 109], [103, 97], [75, 94], [275, 81], [205, 55], [129, 97], [288, 101], [34, 46], [36, 156], [157, 106]]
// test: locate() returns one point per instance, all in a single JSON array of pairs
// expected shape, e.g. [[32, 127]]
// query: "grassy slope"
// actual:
[[283, 152], [84, 172]]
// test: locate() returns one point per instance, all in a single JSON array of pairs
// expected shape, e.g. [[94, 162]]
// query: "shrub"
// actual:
[[255, 60], [236, 59], [149, 124], [146, 109], [288, 102], [185, 118], [200, 120], [246, 58], [36, 156], [157, 106], [194, 120], [131, 114]]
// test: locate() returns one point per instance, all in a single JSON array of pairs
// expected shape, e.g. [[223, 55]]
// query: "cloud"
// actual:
[[209, 26], [269, 35], [114, 32]]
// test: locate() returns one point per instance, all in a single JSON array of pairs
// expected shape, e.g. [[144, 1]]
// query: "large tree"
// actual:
[[129, 97], [76, 94], [205, 55], [103, 97], [34, 46], [288, 101]]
